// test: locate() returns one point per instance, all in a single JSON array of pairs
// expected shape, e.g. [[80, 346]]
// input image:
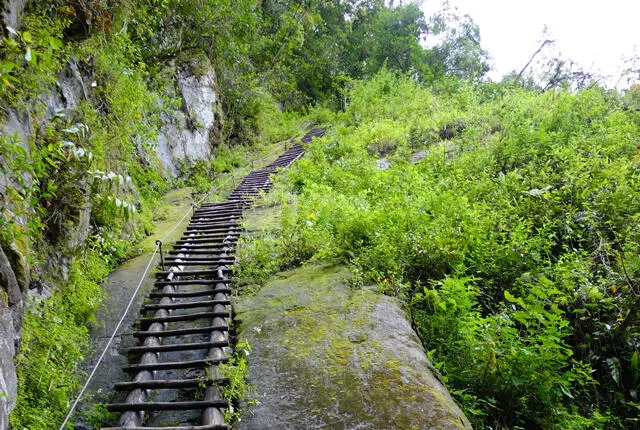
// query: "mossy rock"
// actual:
[[327, 356]]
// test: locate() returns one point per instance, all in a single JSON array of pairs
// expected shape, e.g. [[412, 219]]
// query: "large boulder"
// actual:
[[325, 355]]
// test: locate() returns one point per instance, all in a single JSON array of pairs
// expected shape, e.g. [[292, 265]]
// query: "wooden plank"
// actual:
[[177, 347], [214, 263], [212, 251], [186, 317], [168, 365], [166, 406], [168, 384], [198, 293], [205, 427], [181, 332], [193, 282], [222, 240], [186, 273], [186, 305]]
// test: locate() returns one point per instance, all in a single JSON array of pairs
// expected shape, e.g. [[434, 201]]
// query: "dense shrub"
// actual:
[[514, 240]]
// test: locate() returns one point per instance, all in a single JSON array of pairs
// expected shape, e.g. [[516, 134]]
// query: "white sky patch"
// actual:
[[595, 34]]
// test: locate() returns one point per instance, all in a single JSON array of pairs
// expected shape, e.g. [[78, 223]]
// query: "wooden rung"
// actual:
[[198, 263], [201, 238], [185, 317], [166, 406], [228, 210], [216, 205], [174, 365], [187, 248], [218, 229], [187, 273], [181, 332], [209, 220], [193, 282], [199, 293], [212, 223], [168, 384], [212, 251], [214, 259], [186, 305], [222, 240], [205, 427], [198, 235], [202, 226], [177, 347]]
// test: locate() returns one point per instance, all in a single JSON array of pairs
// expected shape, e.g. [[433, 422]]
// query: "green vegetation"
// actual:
[[507, 219], [236, 389], [514, 240], [82, 191]]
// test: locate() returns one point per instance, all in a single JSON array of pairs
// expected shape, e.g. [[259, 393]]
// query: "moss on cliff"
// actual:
[[325, 348]]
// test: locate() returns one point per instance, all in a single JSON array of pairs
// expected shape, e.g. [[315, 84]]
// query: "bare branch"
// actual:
[[545, 43]]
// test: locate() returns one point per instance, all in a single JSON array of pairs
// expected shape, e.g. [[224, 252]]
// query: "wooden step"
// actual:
[[177, 347], [181, 332], [196, 364], [193, 282], [205, 427], [186, 305], [198, 263], [168, 384], [192, 293], [218, 230], [200, 235], [214, 240], [197, 251], [213, 258], [185, 317], [166, 406], [213, 247], [186, 273], [201, 225]]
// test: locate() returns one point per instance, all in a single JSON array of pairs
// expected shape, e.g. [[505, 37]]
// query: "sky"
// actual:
[[595, 34]]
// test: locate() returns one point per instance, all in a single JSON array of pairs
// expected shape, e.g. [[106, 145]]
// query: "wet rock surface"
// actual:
[[191, 133], [329, 356], [13, 280], [8, 380]]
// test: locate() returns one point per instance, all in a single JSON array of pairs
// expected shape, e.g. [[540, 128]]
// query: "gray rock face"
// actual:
[[189, 135], [12, 15], [14, 270], [18, 129], [11, 310], [327, 356], [8, 380]]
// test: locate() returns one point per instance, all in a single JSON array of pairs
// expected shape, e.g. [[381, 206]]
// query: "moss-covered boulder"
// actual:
[[325, 355]]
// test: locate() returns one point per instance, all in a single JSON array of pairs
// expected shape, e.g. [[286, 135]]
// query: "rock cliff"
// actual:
[[186, 135]]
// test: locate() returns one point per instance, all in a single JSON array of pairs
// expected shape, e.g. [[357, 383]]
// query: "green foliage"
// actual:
[[30, 58], [514, 238], [54, 341], [258, 259], [236, 389]]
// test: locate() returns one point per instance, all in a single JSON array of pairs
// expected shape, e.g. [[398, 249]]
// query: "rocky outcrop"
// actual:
[[327, 356], [191, 133], [12, 288], [12, 14], [14, 269], [186, 135], [8, 379]]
